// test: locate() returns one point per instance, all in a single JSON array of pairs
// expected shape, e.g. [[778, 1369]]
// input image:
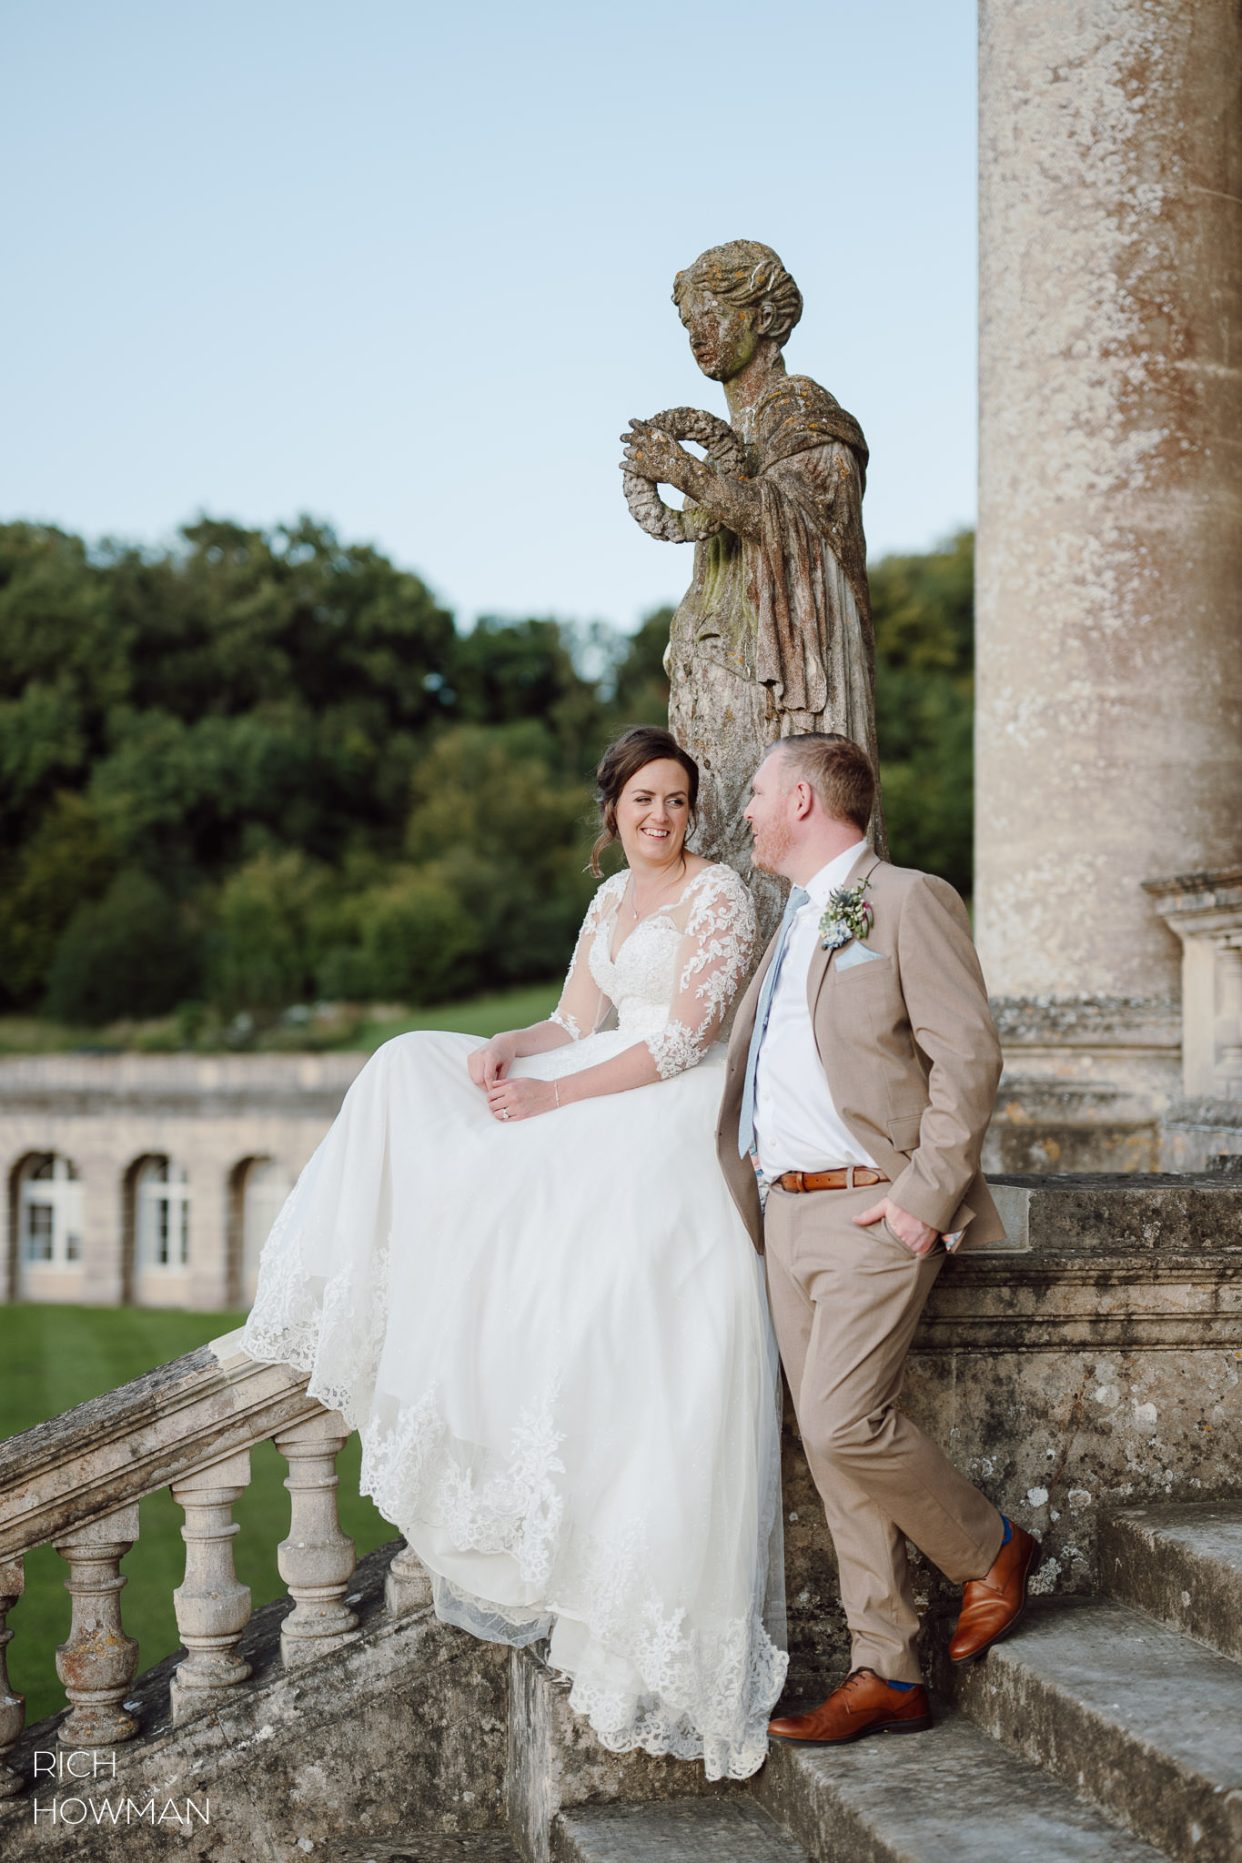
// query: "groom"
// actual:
[[861, 1076]]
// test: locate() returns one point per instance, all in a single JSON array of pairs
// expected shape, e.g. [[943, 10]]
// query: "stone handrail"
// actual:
[[75, 1481]]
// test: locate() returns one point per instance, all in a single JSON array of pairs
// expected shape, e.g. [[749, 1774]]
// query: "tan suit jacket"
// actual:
[[909, 1050]]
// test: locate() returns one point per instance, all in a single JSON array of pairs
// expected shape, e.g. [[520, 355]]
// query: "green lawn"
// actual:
[[52, 1357]]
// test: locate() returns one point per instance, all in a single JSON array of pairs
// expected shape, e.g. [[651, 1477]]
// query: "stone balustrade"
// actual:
[[75, 1482]]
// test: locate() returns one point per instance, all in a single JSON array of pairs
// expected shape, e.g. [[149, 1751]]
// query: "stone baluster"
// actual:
[[317, 1560], [98, 1662], [408, 1584], [12, 1707], [212, 1605]]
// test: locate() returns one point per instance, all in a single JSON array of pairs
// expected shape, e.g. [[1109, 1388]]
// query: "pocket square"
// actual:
[[855, 953]]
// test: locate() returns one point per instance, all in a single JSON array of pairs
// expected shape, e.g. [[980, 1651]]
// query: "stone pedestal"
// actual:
[[1109, 709], [1203, 1129]]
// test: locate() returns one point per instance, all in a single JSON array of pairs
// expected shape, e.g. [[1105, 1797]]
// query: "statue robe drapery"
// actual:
[[774, 635]]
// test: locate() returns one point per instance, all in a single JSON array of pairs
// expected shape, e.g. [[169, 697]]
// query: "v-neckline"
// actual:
[[614, 956]]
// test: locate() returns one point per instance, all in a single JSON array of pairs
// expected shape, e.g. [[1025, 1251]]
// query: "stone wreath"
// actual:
[[723, 449]]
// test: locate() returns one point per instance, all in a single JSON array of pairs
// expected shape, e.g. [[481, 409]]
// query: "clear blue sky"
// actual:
[[407, 266]]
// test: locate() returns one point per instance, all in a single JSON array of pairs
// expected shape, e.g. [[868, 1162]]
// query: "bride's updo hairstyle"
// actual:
[[624, 758]]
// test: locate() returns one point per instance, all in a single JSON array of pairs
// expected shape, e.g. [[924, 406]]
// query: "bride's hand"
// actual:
[[521, 1099], [490, 1064]]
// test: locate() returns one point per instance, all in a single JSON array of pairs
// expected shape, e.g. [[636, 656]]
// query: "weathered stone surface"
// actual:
[[1202, 1135], [428, 1847], [555, 1762], [1182, 1565], [687, 1831], [1109, 550], [365, 1743], [1070, 1126], [1111, 1214], [125, 1443], [1109, 690], [949, 1795], [774, 634], [1145, 1722], [1205, 910]]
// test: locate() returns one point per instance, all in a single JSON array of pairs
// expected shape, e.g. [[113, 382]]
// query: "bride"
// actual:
[[514, 1267]]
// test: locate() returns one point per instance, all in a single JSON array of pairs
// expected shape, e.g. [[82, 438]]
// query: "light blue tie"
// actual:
[[798, 897]]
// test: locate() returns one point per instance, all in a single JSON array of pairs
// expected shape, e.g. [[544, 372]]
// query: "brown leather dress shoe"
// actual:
[[864, 1704], [992, 1605]]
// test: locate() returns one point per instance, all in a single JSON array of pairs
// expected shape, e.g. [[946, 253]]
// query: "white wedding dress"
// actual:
[[552, 1337]]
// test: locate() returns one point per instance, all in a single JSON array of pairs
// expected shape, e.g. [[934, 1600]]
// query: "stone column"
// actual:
[[1109, 712]]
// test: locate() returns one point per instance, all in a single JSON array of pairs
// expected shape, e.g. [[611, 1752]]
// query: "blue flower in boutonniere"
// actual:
[[847, 915]]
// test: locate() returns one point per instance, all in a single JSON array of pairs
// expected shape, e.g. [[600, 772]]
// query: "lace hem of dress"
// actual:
[[567, 1023], [706, 1693], [748, 1666]]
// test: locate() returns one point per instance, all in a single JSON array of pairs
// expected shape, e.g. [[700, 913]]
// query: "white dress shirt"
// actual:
[[797, 1127]]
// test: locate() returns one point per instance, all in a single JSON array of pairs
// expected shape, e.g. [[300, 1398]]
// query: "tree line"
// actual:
[[262, 768]]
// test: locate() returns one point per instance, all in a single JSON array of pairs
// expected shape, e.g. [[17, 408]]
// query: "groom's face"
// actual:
[[769, 814]]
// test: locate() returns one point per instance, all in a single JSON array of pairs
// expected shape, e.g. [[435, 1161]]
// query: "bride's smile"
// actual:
[[653, 813]]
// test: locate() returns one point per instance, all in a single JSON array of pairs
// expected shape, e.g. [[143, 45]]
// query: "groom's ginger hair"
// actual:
[[838, 770]]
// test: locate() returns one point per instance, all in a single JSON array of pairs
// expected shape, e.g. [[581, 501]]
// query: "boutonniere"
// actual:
[[847, 915]]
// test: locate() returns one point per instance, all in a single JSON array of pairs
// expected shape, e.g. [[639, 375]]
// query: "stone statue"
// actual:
[[774, 634]]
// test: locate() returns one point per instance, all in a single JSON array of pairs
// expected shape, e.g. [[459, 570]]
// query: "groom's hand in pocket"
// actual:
[[919, 1237]]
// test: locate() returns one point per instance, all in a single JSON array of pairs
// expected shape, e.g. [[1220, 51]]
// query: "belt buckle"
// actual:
[[800, 1184]]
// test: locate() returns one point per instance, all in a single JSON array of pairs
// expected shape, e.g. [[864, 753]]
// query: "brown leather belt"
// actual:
[[847, 1177]]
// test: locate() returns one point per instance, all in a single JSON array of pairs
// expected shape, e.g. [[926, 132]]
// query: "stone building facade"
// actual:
[[152, 1180]]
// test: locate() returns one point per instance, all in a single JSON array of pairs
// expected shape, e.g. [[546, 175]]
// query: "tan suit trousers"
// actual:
[[845, 1303]]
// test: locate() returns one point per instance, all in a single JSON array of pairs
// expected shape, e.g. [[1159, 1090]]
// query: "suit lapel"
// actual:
[[822, 966]]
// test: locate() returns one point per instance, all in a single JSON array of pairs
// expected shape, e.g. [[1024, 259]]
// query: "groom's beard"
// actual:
[[769, 848]]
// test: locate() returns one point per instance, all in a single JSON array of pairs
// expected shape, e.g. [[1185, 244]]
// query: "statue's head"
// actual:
[[732, 299]]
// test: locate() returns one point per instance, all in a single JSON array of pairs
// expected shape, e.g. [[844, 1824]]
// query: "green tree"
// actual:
[[924, 628], [130, 953], [260, 952], [68, 861], [639, 686], [497, 820]]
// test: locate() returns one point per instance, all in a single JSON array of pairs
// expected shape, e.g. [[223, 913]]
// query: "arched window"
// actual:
[[265, 1185], [161, 1214], [50, 1212]]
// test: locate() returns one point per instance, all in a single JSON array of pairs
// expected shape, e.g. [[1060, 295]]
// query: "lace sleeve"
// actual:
[[716, 950], [583, 1005]]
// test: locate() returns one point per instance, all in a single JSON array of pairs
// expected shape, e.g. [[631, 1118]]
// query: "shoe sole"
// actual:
[[1014, 1621], [844, 1740]]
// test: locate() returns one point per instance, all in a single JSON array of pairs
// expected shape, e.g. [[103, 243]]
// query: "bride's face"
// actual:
[[653, 811]]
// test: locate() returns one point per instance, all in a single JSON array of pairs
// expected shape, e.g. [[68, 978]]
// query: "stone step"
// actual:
[[1144, 1721], [688, 1830], [950, 1795], [429, 1847], [1182, 1565]]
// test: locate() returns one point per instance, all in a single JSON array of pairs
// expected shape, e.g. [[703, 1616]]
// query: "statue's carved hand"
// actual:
[[653, 455]]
